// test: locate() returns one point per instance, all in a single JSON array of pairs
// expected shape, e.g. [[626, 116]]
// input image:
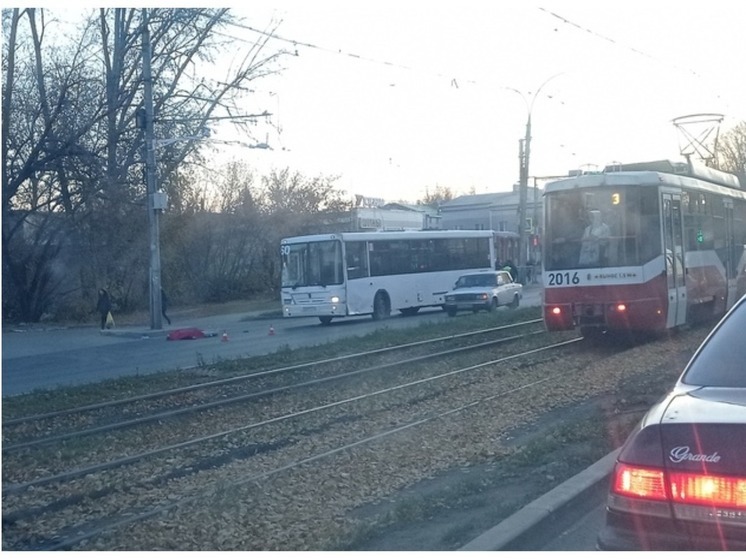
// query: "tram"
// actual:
[[642, 247]]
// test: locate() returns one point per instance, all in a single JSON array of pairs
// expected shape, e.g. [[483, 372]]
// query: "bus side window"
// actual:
[[357, 261]]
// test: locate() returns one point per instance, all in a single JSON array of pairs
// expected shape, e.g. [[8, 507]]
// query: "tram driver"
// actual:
[[595, 241]]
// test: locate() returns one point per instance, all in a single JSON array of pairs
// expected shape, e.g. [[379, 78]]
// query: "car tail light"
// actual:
[[647, 483], [688, 488], [693, 496], [716, 491]]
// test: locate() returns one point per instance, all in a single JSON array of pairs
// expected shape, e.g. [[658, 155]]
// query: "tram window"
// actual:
[[630, 228], [648, 236]]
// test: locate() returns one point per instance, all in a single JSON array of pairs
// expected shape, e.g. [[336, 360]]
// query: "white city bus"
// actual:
[[358, 273]]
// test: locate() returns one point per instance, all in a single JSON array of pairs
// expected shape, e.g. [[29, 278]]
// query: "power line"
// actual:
[[298, 43], [454, 82], [667, 63], [617, 43]]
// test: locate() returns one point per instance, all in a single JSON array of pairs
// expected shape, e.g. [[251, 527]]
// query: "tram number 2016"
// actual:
[[563, 278]]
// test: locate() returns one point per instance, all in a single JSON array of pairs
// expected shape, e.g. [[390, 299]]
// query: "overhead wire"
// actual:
[[617, 43], [456, 81]]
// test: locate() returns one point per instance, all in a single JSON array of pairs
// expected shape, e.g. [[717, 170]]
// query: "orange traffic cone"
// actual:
[[224, 336], [271, 330]]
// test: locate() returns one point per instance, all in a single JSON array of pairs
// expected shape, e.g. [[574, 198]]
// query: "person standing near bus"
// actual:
[[103, 306], [164, 306], [511, 269]]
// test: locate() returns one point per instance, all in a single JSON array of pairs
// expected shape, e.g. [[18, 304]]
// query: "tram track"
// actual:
[[211, 432], [160, 405], [403, 404]]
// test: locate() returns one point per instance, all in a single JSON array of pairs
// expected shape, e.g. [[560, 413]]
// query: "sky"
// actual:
[[397, 98]]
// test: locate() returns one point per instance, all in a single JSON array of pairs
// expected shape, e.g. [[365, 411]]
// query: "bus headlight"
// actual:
[[335, 299]]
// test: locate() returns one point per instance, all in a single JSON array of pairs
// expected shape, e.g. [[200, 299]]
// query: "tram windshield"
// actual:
[[601, 228]]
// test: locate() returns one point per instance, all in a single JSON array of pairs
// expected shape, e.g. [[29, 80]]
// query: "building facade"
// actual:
[[499, 211]]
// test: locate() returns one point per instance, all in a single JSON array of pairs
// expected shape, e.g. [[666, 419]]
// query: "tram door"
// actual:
[[674, 250], [731, 254]]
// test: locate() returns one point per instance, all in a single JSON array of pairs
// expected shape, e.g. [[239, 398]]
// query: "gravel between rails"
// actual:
[[316, 506]]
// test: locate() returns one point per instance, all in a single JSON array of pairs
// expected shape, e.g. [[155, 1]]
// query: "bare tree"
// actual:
[[732, 151], [76, 148], [41, 150], [440, 194], [226, 245]]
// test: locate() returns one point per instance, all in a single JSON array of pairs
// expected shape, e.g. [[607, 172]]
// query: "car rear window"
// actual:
[[722, 360]]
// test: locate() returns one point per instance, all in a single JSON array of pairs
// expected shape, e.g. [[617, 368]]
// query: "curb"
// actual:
[[533, 521]]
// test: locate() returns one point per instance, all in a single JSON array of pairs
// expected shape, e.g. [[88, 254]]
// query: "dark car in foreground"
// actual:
[[679, 482]]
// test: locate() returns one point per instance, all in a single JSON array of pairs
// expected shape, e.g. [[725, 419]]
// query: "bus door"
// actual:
[[673, 249]]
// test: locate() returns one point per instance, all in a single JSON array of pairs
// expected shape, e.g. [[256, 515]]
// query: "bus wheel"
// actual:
[[325, 320], [381, 309]]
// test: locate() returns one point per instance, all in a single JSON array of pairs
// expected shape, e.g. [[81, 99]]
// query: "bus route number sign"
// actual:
[[563, 278]]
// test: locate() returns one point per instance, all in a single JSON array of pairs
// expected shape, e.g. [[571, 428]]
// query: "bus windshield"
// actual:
[[316, 263], [601, 228]]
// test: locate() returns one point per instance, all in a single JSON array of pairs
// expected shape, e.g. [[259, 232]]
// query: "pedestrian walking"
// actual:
[[103, 306], [164, 306]]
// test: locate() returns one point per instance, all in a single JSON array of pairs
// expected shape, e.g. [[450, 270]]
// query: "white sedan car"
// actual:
[[483, 290]]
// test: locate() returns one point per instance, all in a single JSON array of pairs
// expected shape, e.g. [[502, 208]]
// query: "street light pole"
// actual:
[[150, 176], [525, 157]]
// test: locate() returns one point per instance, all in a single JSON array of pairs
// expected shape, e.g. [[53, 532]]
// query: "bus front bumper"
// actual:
[[293, 310]]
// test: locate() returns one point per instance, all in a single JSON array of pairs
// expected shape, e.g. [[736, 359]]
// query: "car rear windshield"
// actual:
[[722, 360]]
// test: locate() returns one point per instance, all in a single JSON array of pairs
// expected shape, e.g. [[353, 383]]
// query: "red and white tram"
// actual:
[[642, 247]]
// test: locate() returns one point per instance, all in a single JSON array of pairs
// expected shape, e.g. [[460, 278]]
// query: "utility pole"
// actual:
[[536, 226], [150, 177], [524, 155]]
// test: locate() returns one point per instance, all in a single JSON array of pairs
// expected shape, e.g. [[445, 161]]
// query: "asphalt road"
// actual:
[[45, 358], [581, 534]]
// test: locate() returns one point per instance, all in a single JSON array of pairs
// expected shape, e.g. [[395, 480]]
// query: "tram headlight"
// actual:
[[556, 311]]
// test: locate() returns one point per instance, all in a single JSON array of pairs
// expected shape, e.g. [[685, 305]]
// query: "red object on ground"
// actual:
[[185, 334]]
